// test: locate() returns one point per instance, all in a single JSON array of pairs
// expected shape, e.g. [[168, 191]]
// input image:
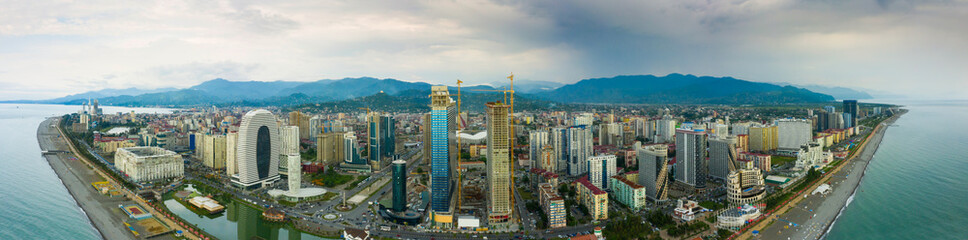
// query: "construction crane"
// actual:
[[460, 175], [367, 110], [506, 92]]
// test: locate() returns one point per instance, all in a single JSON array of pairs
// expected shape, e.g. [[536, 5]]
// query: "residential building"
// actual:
[[850, 107], [330, 147], [761, 161], [763, 138], [722, 153], [691, 164], [665, 130], [793, 133], [600, 168], [537, 140], [580, 147], [627, 192], [593, 198], [653, 170], [499, 163], [553, 205]]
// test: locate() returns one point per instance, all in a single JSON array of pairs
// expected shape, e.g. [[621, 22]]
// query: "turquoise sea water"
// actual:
[[36, 205], [916, 186]]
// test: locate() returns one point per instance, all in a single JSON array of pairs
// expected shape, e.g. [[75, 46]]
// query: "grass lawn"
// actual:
[[330, 179], [780, 160], [525, 194]]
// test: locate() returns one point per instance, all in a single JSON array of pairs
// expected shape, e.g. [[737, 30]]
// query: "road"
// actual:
[[77, 175], [810, 217]]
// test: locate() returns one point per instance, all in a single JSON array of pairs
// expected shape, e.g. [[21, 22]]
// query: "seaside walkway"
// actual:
[[863, 149], [174, 226]]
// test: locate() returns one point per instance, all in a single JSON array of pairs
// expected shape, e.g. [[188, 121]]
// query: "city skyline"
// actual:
[[55, 49]]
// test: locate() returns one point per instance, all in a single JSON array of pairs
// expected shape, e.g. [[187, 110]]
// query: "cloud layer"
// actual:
[[53, 48]]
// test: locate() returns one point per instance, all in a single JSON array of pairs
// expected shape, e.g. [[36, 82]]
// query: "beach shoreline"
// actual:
[[83, 195], [812, 216]]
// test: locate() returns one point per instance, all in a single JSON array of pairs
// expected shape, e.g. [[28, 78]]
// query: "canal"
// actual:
[[239, 221]]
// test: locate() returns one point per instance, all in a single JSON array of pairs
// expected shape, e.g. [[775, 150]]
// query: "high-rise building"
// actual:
[[559, 142], [442, 148], [548, 159], [381, 141], [722, 153], [329, 147], [537, 140], [258, 150], [653, 170], [741, 128], [829, 109], [288, 145], [295, 172], [600, 168], [848, 120], [213, 151], [793, 133], [665, 129], [763, 139], [585, 119], [351, 149], [316, 126], [399, 185], [580, 147], [850, 106], [231, 149], [300, 120], [498, 163], [691, 165]]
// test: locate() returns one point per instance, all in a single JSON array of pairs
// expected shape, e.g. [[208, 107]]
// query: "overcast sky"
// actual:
[[52, 48]]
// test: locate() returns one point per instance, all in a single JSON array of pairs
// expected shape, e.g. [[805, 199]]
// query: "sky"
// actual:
[[50, 49]]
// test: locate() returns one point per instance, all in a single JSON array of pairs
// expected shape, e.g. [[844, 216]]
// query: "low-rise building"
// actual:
[[627, 192], [736, 218], [686, 210], [149, 163]]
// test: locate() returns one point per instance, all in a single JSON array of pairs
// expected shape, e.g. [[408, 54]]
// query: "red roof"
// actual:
[[595, 190], [627, 182]]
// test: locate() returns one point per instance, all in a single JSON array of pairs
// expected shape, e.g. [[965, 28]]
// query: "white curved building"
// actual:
[[258, 150]]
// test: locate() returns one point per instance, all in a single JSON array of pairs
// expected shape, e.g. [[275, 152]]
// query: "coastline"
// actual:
[[812, 216], [84, 196], [866, 161]]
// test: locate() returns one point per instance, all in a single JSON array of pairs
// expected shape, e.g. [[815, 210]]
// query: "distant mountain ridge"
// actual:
[[650, 89], [679, 88], [836, 92]]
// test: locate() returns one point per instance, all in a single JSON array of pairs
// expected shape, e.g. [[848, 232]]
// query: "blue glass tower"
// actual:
[[442, 127]]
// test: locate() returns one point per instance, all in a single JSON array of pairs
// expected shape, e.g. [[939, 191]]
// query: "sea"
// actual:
[[35, 204], [916, 185]]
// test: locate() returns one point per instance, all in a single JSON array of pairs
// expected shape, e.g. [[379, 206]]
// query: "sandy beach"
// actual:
[[813, 215]]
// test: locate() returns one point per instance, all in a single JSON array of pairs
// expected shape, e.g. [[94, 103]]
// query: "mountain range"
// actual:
[[631, 89]]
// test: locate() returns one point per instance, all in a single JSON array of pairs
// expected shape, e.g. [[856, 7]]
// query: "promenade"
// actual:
[[809, 217], [76, 172]]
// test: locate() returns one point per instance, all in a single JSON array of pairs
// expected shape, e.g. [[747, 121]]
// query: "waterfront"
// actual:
[[35, 197], [239, 221], [915, 185]]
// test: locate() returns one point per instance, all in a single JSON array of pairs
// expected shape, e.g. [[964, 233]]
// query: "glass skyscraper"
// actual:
[[442, 127]]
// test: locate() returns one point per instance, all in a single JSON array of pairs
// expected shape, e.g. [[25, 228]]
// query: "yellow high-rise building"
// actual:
[[763, 139]]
